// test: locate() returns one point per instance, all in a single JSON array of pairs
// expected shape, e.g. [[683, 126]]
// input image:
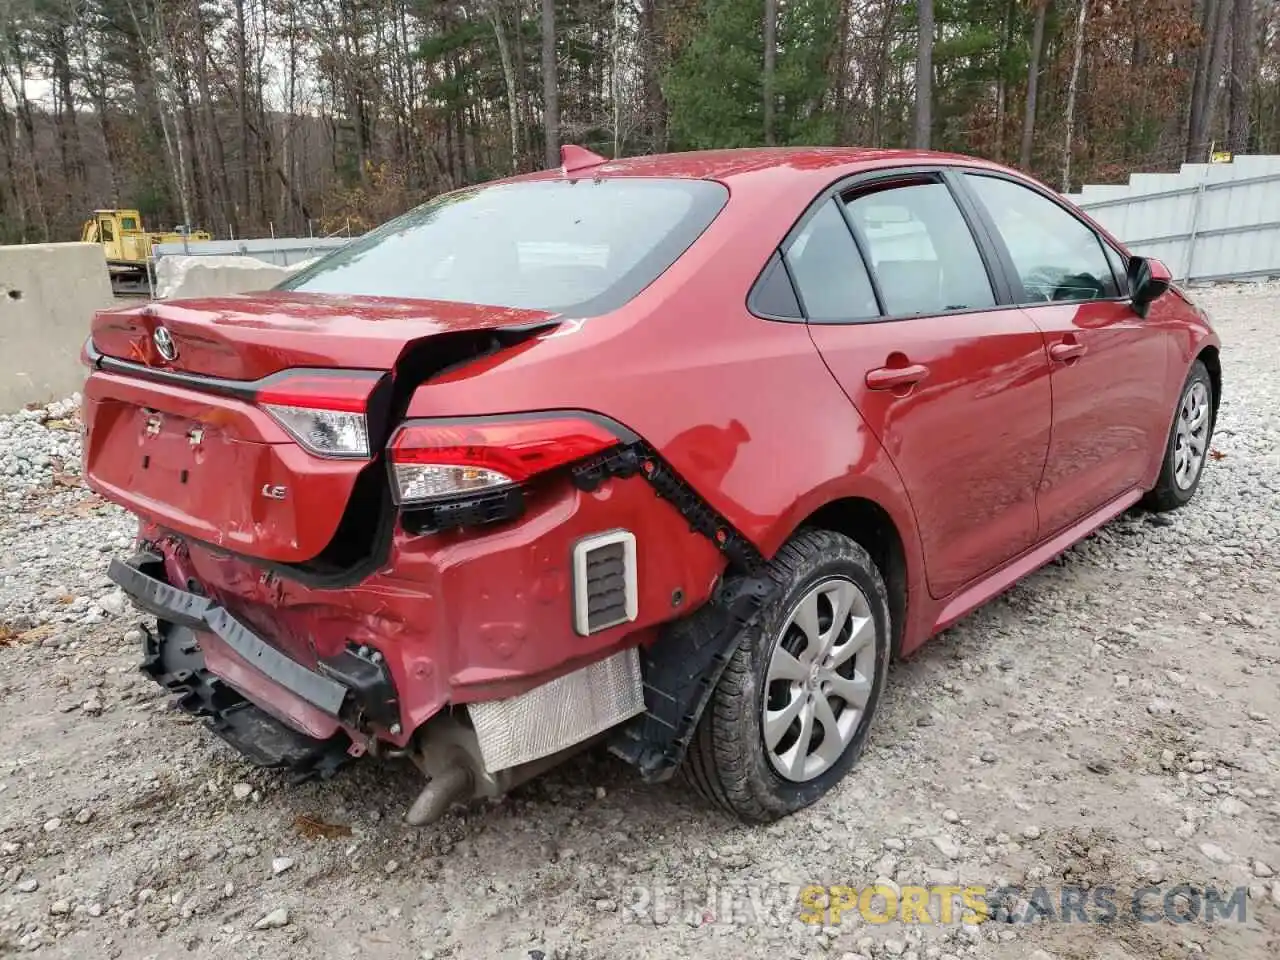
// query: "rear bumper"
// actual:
[[190, 610], [344, 693], [173, 657], [282, 714]]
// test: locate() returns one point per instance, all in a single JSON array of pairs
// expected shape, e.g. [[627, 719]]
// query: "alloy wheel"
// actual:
[[820, 677]]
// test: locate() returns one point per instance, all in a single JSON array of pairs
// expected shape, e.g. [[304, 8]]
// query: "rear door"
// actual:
[[904, 310], [1108, 364]]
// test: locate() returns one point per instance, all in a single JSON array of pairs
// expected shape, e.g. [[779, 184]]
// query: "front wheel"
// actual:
[[1188, 446], [792, 710]]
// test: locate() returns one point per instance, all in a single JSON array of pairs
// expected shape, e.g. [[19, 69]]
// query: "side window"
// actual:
[[828, 271], [922, 253], [773, 295], [1120, 267], [1057, 256], [107, 233]]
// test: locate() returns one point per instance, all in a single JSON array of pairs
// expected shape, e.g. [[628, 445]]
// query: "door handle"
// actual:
[[1066, 351], [892, 378]]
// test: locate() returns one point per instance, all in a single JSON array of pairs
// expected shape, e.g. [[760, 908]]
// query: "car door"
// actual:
[[902, 306], [1108, 363]]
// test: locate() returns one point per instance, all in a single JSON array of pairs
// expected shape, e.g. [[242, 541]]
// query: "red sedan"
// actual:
[[670, 452]]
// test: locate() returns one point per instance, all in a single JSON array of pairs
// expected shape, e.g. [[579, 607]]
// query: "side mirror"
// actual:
[[1148, 281]]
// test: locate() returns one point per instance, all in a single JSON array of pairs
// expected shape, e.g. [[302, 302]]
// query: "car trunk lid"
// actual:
[[250, 336], [185, 427]]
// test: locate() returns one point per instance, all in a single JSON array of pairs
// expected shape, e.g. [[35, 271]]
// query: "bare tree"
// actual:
[[770, 65], [1033, 85], [615, 79], [924, 76], [509, 79], [158, 48], [1242, 71], [1208, 74], [550, 84], [651, 44], [13, 67], [1073, 89]]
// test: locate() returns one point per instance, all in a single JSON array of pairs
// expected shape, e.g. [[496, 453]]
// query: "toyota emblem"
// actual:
[[164, 343]]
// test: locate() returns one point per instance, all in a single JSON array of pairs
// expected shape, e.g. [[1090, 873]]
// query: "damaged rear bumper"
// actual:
[[171, 656], [222, 671], [283, 714], [190, 610]]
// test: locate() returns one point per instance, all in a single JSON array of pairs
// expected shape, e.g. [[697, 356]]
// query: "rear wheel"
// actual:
[[793, 708], [1188, 445]]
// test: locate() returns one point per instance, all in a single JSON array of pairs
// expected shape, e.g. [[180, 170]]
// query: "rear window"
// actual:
[[573, 247]]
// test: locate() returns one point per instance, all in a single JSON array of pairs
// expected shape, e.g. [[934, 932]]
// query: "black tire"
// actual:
[[727, 762], [1168, 494]]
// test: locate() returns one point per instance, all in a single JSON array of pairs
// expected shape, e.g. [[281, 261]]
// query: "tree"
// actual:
[[1033, 84], [550, 85], [1208, 75], [1072, 91], [509, 79], [770, 66], [252, 116], [924, 74], [1242, 70]]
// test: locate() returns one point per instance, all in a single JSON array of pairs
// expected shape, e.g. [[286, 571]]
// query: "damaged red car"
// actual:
[[673, 453]]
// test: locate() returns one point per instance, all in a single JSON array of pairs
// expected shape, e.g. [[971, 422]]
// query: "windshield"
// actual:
[[572, 247]]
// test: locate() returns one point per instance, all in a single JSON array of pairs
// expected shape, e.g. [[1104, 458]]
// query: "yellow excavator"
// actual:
[[127, 245]]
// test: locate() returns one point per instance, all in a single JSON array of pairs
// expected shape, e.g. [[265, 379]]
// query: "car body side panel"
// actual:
[[1187, 333], [969, 440], [1109, 405]]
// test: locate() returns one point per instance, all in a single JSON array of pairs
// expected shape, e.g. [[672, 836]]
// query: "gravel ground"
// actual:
[[1111, 722]]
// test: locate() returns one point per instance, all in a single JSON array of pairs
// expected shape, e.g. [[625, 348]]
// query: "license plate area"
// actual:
[[175, 452], [169, 461], [214, 468]]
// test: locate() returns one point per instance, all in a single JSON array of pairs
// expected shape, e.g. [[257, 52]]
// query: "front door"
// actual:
[[1109, 404], [956, 391]]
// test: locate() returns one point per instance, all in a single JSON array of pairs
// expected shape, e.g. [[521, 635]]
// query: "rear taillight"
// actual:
[[434, 460], [327, 413]]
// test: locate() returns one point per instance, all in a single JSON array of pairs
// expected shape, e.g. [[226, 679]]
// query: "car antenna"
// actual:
[[574, 158]]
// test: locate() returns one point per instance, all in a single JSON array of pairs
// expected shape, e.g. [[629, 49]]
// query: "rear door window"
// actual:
[[1057, 257], [829, 274], [572, 247], [922, 252]]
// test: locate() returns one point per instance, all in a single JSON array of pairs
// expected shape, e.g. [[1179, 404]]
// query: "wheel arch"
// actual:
[[1212, 361], [871, 526]]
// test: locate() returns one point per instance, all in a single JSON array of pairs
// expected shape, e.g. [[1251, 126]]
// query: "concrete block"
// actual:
[[215, 276], [48, 295]]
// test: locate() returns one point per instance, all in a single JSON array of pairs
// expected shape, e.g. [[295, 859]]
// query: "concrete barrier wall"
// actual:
[[48, 294], [180, 277], [282, 251]]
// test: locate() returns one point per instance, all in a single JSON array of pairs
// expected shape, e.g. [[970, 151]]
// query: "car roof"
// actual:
[[734, 164]]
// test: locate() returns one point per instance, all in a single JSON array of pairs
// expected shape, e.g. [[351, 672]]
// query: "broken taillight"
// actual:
[[326, 412], [434, 460]]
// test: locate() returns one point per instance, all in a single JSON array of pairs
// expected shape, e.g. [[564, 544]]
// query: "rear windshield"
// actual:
[[572, 247]]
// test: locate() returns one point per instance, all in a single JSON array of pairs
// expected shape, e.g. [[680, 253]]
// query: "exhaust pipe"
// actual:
[[449, 754], [451, 786]]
